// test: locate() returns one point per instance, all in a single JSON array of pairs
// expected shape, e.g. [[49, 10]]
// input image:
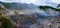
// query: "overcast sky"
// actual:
[[36, 2]]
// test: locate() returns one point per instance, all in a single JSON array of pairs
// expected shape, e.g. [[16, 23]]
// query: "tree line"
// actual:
[[49, 7]]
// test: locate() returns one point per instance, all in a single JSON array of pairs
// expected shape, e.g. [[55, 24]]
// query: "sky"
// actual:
[[36, 2]]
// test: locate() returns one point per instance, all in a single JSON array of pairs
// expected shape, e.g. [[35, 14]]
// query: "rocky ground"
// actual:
[[31, 21]]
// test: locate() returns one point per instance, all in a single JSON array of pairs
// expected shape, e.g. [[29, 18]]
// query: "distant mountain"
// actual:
[[18, 6]]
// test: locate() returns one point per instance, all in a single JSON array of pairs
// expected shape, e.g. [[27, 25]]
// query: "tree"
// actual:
[[58, 8], [46, 7], [58, 5]]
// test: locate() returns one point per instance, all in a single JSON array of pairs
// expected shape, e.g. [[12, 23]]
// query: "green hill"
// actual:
[[48, 7], [7, 5]]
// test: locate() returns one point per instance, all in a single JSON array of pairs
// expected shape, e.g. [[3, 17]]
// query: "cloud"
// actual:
[[36, 2], [56, 1], [32, 1]]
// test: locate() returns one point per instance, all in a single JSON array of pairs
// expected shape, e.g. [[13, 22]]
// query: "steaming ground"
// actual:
[[43, 16], [41, 12]]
